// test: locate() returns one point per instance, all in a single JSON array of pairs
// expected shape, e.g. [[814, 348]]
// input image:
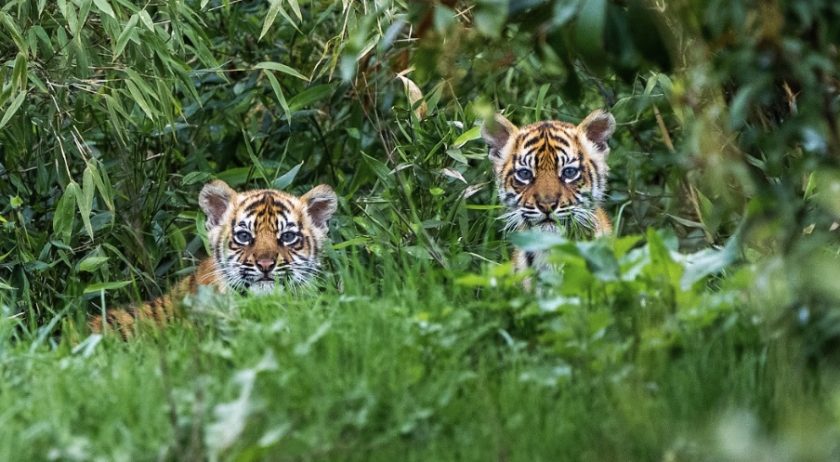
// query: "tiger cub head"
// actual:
[[550, 173], [263, 237]]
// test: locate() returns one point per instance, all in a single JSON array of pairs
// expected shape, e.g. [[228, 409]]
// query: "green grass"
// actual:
[[415, 366]]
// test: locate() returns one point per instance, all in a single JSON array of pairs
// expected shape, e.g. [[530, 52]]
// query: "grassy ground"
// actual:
[[423, 365]]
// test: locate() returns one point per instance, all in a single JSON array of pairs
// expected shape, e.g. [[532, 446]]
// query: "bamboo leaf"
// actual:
[[65, 213], [281, 68], [9, 24], [275, 8], [469, 135], [10, 111], [101, 186], [103, 286], [128, 32], [69, 13], [309, 96], [19, 77], [85, 200], [92, 263], [415, 97], [84, 9], [296, 9], [105, 7], [139, 98], [147, 20], [278, 92], [287, 178]]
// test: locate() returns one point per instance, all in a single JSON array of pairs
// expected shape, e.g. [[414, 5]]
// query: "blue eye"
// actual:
[[570, 173], [288, 237], [242, 237], [524, 175]]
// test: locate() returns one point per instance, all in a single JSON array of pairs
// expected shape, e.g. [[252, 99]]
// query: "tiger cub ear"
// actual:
[[598, 127], [321, 203], [214, 199], [496, 133]]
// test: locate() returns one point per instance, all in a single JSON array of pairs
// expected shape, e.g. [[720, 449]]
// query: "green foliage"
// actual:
[[420, 368], [714, 309]]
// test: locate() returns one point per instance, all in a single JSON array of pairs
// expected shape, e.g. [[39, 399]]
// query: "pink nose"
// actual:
[[265, 264]]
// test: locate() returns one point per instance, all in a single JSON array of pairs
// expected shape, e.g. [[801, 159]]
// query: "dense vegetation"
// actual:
[[708, 329]]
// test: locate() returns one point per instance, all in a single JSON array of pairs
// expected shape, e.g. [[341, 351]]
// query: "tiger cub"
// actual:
[[259, 239], [551, 174]]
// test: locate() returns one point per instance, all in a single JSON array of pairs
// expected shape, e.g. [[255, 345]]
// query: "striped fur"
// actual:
[[260, 239], [551, 175]]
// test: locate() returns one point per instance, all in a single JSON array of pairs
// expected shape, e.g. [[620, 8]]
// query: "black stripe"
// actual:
[[253, 205], [531, 142], [529, 259], [559, 139]]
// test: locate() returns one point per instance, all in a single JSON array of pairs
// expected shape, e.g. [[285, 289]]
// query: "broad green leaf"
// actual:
[[10, 25], [490, 16], [380, 169], [600, 260], [104, 286], [287, 178], [41, 33], [19, 74], [65, 212], [469, 135], [69, 13], [295, 9], [708, 261], [102, 185], [309, 96], [128, 32], [280, 68], [358, 240], [105, 7], [275, 8], [84, 10], [539, 240], [10, 111], [85, 199], [139, 98], [90, 264], [540, 101], [195, 177], [235, 176], [278, 92], [143, 84], [146, 19], [456, 154]]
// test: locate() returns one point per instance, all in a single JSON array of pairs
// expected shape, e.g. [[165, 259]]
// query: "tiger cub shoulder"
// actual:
[[551, 175], [259, 240]]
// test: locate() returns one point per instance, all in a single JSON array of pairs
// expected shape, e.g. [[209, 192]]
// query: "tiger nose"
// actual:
[[265, 264], [546, 204]]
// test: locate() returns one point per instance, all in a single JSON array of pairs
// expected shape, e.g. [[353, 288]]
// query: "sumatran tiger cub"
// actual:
[[550, 175], [259, 239]]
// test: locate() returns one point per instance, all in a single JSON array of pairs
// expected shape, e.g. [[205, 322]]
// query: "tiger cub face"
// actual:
[[262, 238], [551, 174]]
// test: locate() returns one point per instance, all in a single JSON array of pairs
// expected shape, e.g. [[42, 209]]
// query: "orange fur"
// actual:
[[551, 175], [260, 239]]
